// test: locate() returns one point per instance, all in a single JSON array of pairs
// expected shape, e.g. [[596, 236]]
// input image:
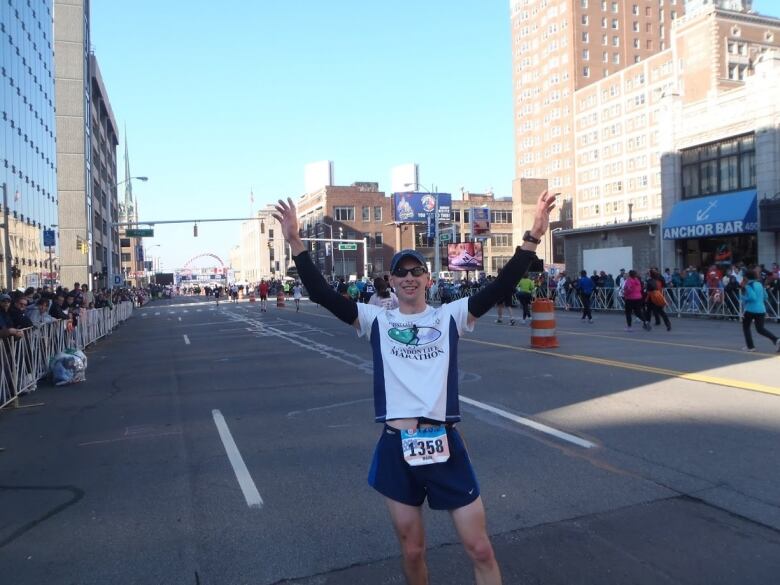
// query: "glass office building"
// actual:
[[27, 136]]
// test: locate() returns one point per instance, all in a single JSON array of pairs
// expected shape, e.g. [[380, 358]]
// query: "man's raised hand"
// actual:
[[544, 206], [287, 218]]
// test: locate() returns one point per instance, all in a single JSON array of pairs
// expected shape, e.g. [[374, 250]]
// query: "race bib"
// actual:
[[426, 445]]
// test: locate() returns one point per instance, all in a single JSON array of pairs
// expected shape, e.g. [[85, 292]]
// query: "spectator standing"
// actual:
[[6, 321], [754, 301], [57, 309], [383, 296]]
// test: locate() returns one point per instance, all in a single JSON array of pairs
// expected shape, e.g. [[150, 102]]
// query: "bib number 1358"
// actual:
[[425, 446]]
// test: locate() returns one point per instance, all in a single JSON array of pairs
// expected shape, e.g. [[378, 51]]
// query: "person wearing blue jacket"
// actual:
[[585, 288], [754, 302]]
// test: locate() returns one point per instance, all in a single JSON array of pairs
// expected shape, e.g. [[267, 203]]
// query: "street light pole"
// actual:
[[343, 269], [332, 253], [436, 243]]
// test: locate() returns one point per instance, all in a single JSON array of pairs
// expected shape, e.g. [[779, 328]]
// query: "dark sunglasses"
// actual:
[[416, 271]]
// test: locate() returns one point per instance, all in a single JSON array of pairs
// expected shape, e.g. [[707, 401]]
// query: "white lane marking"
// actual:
[[347, 358], [157, 313], [179, 318], [251, 495], [529, 423], [186, 340]]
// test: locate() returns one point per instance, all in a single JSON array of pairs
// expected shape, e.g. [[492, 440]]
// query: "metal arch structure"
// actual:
[[205, 255]]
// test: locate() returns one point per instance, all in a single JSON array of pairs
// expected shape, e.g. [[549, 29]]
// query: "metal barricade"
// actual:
[[25, 360]]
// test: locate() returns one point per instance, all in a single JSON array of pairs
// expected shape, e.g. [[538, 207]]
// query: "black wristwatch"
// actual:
[[527, 237]]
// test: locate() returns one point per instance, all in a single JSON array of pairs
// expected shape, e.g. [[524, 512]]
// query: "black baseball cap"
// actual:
[[408, 253]]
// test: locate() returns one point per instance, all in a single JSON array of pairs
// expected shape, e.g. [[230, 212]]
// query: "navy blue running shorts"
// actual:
[[448, 486]]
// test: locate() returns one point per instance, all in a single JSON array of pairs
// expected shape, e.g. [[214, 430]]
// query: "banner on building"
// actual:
[[416, 207], [479, 218], [465, 256]]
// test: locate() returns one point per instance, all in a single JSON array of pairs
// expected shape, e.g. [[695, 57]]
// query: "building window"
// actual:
[[615, 7], [498, 262], [126, 257], [616, 58], [501, 240], [583, 3], [603, 22], [636, 43], [586, 71], [605, 57], [344, 213], [719, 167], [585, 37], [637, 58], [615, 41], [635, 26], [378, 240], [584, 19], [366, 213], [501, 216], [377, 213], [585, 54], [604, 40], [615, 23], [635, 10]]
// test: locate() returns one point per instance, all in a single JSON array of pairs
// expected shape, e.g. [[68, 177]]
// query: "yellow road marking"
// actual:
[[693, 377], [654, 341]]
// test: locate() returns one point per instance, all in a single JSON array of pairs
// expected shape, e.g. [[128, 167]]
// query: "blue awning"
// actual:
[[719, 215]]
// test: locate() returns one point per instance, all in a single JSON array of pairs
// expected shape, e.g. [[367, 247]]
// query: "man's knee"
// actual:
[[480, 550]]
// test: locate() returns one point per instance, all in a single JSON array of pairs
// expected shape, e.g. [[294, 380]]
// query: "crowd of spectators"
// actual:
[[34, 307]]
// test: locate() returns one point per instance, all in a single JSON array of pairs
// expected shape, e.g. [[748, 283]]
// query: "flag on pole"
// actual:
[[251, 197]]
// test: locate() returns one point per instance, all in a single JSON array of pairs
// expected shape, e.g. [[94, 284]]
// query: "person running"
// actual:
[[420, 453], [525, 292], [505, 303], [632, 298], [262, 290], [754, 301], [217, 292], [585, 289], [654, 286], [297, 294]]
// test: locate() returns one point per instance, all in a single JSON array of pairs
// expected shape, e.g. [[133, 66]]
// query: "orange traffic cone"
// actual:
[[543, 324]]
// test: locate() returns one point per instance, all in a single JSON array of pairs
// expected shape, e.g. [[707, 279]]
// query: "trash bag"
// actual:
[[68, 367]]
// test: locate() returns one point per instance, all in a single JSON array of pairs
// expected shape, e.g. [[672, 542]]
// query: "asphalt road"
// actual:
[[619, 458]]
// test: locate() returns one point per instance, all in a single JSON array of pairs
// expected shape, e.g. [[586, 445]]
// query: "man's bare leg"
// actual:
[[470, 525], [408, 524]]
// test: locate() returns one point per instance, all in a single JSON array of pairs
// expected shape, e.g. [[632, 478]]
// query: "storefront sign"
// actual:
[[710, 217]]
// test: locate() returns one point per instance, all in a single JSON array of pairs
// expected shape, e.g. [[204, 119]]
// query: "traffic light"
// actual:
[[195, 231]]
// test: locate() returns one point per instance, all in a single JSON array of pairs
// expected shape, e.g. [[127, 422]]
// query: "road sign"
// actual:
[[343, 247], [445, 237], [139, 233], [117, 279], [48, 238]]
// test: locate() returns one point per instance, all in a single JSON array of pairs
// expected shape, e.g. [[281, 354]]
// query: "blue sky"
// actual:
[[222, 97]]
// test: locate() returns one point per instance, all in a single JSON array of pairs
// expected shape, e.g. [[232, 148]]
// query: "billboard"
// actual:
[[415, 207], [465, 256], [480, 222]]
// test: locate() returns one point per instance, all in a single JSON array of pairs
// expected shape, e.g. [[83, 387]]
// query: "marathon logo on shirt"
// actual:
[[414, 342]]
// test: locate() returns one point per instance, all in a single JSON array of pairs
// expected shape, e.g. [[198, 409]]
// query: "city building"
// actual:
[[27, 133], [131, 260], [497, 248], [559, 48], [356, 212], [263, 253], [636, 121], [86, 153]]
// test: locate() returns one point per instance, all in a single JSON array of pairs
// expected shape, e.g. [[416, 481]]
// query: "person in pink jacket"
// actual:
[[632, 298]]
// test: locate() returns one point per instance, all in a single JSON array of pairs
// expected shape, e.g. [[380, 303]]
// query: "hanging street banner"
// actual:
[[416, 207], [49, 238], [480, 222]]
